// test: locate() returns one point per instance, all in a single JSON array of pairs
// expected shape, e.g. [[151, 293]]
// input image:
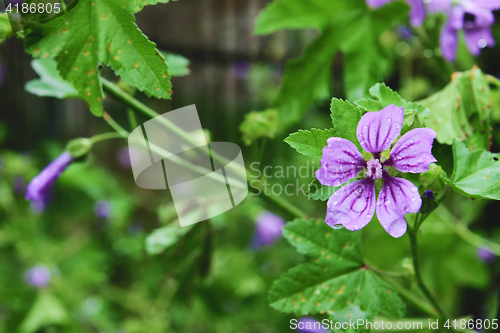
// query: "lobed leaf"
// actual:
[[311, 142], [333, 279], [95, 32], [345, 119], [476, 173], [461, 111]]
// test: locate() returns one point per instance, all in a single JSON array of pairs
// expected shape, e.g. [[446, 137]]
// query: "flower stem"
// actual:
[[418, 275], [105, 136]]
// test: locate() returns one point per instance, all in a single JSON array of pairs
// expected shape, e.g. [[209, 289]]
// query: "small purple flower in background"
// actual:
[[310, 325], [353, 205], [38, 190], [19, 185], [484, 253], [123, 157], [268, 229], [404, 32], [241, 69], [38, 276], [475, 18], [102, 209]]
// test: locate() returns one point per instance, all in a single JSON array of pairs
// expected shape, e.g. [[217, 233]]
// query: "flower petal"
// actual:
[[352, 205], [478, 38], [39, 187], [435, 6], [377, 3], [377, 130], [417, 12], [397, 197], [341, 161], [488, 4], [412, 152], [449, 42]]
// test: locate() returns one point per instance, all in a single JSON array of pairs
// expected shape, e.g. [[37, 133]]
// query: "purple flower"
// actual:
[[39, 187], [405, 32], [102, 209], [353, 205], [429, 195], [310, 325], [38, 276], [268, 229], [19, 185], [417, 9], [241, 69], [124, 158], [475, 18], [484, 253]]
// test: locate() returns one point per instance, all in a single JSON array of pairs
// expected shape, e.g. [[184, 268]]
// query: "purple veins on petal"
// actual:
[[397, 197], [377, 130], [341, 161], [412, 152], [352, 206], [268, 228], [39, 187]]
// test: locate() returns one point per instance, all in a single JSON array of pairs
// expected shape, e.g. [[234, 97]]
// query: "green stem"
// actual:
[[132, 120], [105, 136], [114, 91], [278, 201], [418, 275], [463, 232]]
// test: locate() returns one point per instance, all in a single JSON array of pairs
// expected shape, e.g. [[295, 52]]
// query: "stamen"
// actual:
[[374, 169]]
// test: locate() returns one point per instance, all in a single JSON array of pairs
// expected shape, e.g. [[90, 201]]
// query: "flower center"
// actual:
[[374, 169], [469, 21]]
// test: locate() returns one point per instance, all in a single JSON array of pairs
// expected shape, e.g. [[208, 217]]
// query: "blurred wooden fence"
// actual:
[[214, 34]]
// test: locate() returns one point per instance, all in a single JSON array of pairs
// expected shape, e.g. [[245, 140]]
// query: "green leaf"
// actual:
[[318, 191], [311, 142], [177, 65], [366, 60], [163, 238], [385, 96], [333, 278], [345, 119], [95, 32], [50, 84], [307, 78], [348, 26], [475, 173], [46, 310], [461, 110], [5, 27], [298, 14]]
